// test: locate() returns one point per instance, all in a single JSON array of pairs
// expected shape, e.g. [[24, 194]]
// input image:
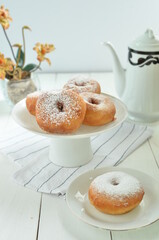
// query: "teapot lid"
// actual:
[[146, 42]]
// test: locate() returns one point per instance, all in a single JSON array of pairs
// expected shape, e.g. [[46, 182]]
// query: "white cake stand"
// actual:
[[69, 150]]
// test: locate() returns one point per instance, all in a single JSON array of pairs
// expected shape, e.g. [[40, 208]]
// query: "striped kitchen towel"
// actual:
[[30, 151]]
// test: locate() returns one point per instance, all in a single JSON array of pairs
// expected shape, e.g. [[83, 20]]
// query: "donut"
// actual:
[[82, 83], [31, 100], [115, 193], [60, 112], [99, 109]]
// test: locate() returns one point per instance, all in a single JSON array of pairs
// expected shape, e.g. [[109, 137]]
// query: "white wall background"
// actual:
[[76, 27]]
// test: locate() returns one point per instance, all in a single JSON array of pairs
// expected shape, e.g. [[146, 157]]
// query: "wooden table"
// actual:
[[28, 215]]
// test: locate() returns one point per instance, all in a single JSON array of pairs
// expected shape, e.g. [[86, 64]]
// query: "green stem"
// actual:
[[36, 68], [9, 44], [19, 53], [23, 47]]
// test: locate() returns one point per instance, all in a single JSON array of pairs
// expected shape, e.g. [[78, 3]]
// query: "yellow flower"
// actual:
[[4, 17], [6, 65], [2, 74], [43, 49]]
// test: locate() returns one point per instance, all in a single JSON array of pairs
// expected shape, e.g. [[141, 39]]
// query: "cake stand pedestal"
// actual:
[[69, 150]]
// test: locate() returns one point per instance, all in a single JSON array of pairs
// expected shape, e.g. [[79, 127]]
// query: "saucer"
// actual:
[[146, 213]]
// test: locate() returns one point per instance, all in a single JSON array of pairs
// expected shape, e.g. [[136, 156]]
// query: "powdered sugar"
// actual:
[[58, 107], [97, 101], [81, 84], [116, 184]]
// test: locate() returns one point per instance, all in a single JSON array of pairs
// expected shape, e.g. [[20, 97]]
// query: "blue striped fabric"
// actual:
[[30, 151]]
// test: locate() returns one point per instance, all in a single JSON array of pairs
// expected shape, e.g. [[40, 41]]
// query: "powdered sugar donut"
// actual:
[[99, 109], [31, 100], [60, 112], [115, 192], [82, 83]]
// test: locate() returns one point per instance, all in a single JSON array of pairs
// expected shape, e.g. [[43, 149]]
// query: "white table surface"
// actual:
[[28, 215]]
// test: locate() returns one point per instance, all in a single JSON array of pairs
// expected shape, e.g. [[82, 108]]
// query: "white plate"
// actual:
[[26, 120], [146, 213]]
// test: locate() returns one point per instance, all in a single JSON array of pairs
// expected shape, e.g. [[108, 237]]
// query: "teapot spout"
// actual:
[[119, 73]]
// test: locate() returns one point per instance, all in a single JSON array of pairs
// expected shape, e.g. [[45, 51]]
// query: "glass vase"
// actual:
[[16, 90]]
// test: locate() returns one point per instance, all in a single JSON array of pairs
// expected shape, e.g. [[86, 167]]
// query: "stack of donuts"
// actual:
[[79, 102]]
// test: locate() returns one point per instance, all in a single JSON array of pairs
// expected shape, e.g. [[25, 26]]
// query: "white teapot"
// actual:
[[138, 86]]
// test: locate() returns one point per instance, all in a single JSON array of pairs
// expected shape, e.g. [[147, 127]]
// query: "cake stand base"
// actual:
[[70, 152]]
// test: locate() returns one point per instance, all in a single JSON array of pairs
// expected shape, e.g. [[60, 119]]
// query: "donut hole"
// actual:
[[114, 182], [80, 84], [94, 101], [60, 106]]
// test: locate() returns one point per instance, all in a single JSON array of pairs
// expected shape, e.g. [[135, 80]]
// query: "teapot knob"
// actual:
[[149, 33]]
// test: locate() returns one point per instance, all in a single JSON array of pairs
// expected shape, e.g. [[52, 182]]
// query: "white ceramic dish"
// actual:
[[26, 120], [76, 147], [145, 214]]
